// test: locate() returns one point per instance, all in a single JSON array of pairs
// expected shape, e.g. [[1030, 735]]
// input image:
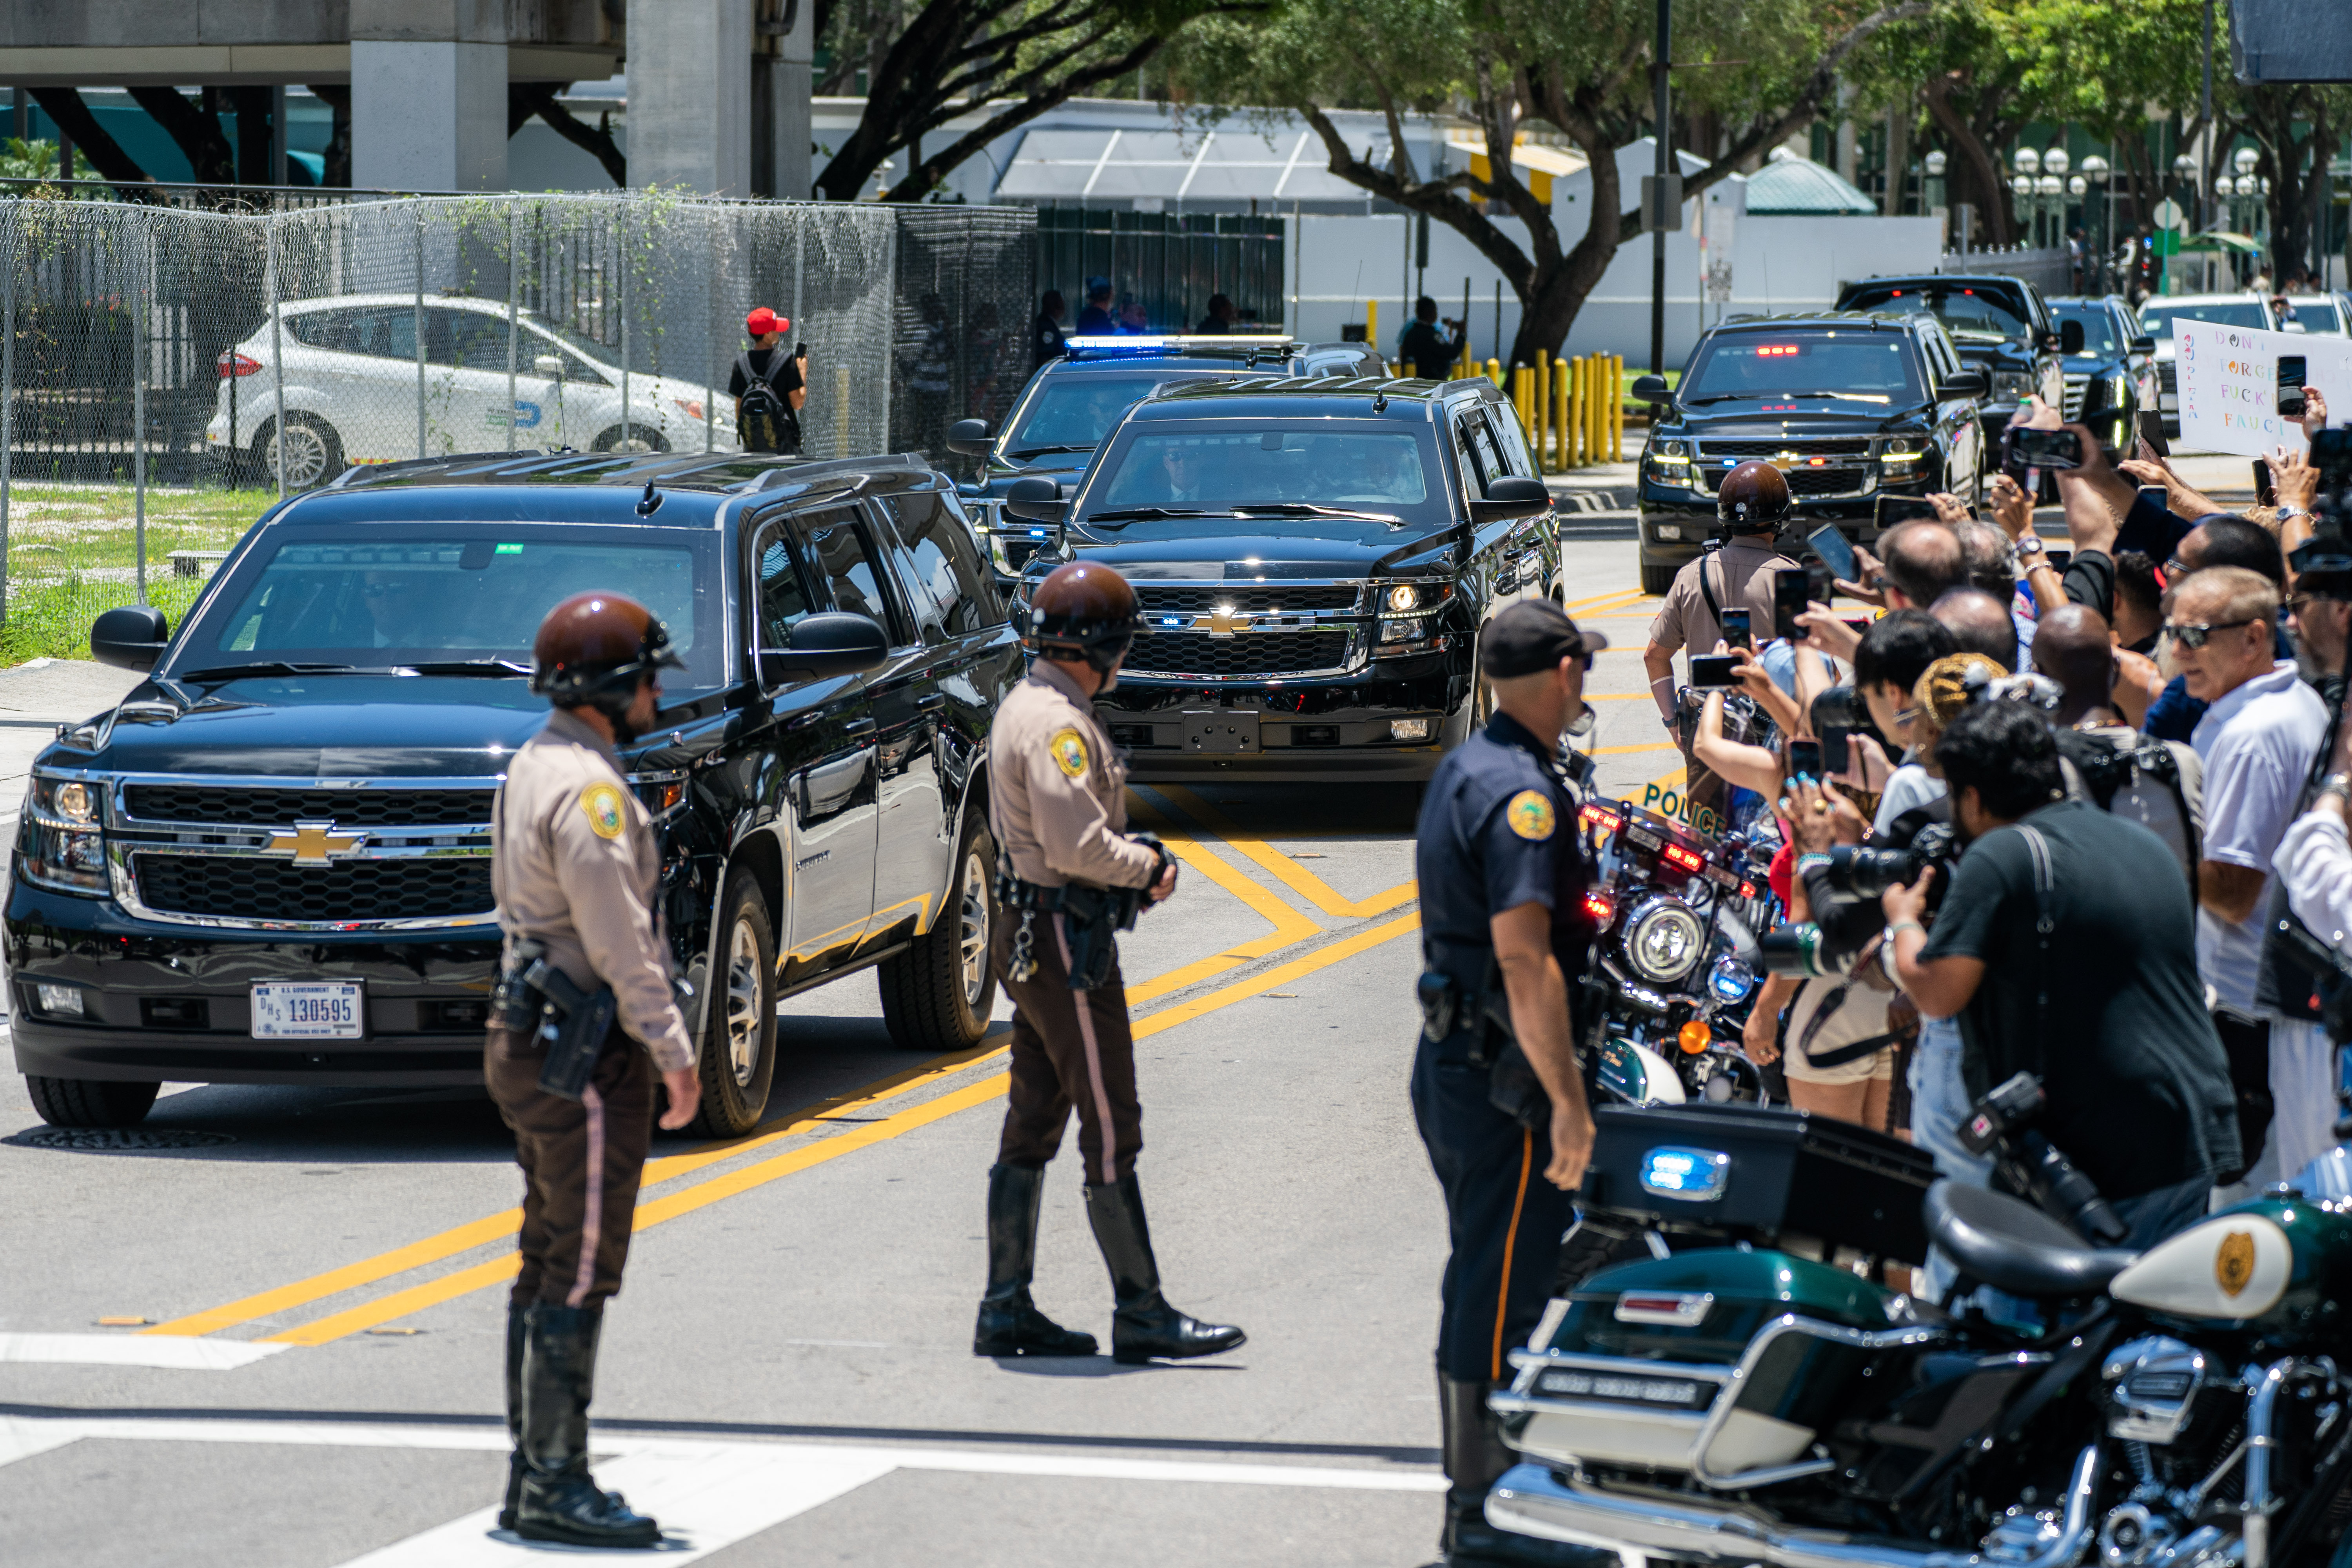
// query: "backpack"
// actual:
[[2140, 782], [766, 424]]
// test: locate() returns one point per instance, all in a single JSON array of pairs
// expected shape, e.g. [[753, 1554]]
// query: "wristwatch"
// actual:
[[2340, 786], [2288, 509], [2029, 544]]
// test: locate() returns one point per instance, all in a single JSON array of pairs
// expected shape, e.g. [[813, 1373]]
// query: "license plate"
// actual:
[[1222, 730], [307, 1010]]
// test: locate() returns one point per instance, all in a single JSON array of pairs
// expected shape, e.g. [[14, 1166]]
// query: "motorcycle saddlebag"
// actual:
[[1765, 1174]]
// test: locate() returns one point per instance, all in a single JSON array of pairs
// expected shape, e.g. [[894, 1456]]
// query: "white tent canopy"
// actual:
[[1224, 170]]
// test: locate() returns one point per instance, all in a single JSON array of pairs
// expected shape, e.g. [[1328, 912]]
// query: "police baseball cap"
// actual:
[[763, 321], [1529, 635]]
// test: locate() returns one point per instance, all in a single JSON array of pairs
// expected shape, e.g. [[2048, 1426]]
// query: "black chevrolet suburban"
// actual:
[[1851, 408], [1313, 560], [270, 863], [2002, 326]]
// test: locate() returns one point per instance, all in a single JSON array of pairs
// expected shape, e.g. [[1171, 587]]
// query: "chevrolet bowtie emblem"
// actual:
[[1221, 622], [313, 843], [1784, 461]]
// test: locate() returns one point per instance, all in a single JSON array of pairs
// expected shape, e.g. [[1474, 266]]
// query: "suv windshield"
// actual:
[[1853, 367], [1074, 412], [377, 594], [2155, 317], [1970, 313], [1345, 464], [2099, 335]]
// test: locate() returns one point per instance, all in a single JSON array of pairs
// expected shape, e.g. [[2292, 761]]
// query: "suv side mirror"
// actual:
[[132, 637], [1965, 384], [1651, 389], [1036, 501], [824, 646], [969, 436], [2143, 345], [1509, 496]]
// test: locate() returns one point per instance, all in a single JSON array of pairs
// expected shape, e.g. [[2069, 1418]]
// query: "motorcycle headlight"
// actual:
[[1665, 941], [1731, 979]]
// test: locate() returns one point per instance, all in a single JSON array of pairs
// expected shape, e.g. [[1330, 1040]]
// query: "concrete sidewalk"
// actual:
[[35, 699]]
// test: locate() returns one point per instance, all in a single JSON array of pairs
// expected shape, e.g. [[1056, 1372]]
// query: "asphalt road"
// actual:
[[316, 1280]]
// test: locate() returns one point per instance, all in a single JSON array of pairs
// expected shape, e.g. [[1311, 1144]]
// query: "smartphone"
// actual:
[[800, 350], [2290, 372], [1713, 669], [1829, 542], [2060, 560], [1792, 595], [1858, 625], [2044, 449], [1835, 751], [2263, 491], [1805, 759], [2151, 430], [1734, 624], [2156, 496], [1893, 509]]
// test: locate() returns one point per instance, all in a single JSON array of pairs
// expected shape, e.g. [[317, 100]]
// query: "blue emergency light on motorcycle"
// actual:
[[1732, 978], [1695, 1175]]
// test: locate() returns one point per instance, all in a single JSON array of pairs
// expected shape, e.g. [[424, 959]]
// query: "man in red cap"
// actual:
[[768, 386]]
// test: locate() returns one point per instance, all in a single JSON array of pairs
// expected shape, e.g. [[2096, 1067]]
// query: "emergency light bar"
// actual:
[[1142, 343]]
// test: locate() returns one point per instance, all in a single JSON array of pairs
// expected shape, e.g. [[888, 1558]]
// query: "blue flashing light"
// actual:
[[1694, 1175]]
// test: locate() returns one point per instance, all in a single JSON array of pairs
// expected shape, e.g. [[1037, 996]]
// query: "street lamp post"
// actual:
[[2028, 163], [2095, 169], [2054, 164]]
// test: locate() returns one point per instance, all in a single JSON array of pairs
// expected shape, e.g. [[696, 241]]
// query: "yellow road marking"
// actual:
[[1299, 880], [1289, 925], [1621, 750], [656, 1211], [1617, 597]]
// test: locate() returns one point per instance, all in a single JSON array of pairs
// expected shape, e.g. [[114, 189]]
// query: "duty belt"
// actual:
[[1091, 918]]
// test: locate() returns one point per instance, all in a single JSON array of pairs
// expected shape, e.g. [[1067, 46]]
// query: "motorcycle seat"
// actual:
[[2010, 1245]]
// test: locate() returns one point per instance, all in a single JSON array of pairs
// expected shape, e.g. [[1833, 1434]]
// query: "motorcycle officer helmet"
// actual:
[[1083, 611], [1752, 498], [593, 650]]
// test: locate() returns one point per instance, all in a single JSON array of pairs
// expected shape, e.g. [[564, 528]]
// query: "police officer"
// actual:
[[1069, 875], [1503, 938], [1737, 570], [574, 871]]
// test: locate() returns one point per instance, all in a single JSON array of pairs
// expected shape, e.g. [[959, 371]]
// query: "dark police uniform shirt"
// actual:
[[1045, 340], [1497, 829]]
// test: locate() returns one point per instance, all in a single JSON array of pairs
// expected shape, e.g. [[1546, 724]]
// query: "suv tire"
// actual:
[[1656, 580], [738, 1058], [90, 1102], [938, 994]]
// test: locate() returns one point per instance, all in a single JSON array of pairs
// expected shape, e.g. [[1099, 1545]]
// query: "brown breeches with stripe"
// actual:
[[581, 1162], [1070, 1048]]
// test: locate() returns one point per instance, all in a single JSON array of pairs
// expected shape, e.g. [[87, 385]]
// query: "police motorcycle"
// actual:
[[1675, 958]]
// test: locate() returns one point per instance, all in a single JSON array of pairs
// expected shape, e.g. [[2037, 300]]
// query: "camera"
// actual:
[[1864, 872], [1828, 944], [2030, 1166]]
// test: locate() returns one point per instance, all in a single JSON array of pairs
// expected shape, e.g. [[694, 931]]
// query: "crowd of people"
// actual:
[[2121, 782]]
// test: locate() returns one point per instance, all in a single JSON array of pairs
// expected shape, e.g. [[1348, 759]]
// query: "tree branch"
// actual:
[[922, 179], [1436, 198], [595, 141]]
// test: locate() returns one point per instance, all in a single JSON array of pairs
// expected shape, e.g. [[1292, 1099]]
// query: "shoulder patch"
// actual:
[[602, 804], [1530, 814], [1068, 748]]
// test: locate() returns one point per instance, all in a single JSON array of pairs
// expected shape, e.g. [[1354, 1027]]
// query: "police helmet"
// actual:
[[595, 649], [1083, 611], [1752, 498]]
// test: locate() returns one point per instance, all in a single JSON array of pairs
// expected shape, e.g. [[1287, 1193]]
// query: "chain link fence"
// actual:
[[166, 373]]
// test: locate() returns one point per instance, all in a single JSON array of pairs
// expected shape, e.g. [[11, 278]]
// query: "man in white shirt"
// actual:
[[2257, 740]]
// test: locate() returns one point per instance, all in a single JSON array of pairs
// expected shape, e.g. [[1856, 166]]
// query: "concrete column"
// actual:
[[429, 94], [792, 83], [690, 69]]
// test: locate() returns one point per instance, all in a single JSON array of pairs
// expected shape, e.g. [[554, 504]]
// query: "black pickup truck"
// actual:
[[270, 863]]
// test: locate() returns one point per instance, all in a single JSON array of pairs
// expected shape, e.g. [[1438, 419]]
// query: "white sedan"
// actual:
[[352, 378]]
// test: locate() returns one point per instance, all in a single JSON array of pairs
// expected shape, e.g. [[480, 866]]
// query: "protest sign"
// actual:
[[2227, 378]]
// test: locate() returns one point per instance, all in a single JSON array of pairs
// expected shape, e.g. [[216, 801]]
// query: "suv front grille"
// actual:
[[1272, 653], [1255, 598], [1804, 481], [240, 887], [237, 806], [1833, 446]]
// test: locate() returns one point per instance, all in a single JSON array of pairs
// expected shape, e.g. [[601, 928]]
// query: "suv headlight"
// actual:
[[63, 846], [1670, 462], [1409, 614]]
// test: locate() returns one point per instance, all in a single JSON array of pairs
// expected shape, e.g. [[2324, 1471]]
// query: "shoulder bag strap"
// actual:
[[1838, 1056], [2045, 884], [743, 360], [1714, 606]]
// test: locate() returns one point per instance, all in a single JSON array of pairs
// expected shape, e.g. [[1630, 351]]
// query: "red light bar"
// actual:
[[1747, 889], [1775, 351], [1599, 908], [1684, 857], [1598, 816]]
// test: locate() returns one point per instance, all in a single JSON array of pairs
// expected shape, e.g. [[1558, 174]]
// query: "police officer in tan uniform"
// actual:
[[1071, 875], [575, 873]]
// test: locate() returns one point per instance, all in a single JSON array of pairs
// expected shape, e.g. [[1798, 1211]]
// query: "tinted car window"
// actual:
[[1478, 443], [942, 576], [369, 595], [781, 597], [1513, 439], [2155, 317], [1970, 313], [1373, 467], [1073, 410], [1863, 367], [2101, 333], [473, 340], [842, 555], [384, 333]]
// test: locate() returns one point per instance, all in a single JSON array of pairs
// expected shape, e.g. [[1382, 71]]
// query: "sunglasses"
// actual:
[[2196, 634]]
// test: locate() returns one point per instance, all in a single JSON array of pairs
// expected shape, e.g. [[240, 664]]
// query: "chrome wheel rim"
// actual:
[[972, 930], [305, 457], [743, 994]]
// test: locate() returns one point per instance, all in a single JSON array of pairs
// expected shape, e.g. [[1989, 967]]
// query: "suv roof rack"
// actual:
[[733, 473]]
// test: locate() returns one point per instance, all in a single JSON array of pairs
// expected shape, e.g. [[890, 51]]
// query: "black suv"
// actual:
[[1071, 404], [1314, 559], [1851, 408], [2115, 355], [270, 864], [2002, 327]]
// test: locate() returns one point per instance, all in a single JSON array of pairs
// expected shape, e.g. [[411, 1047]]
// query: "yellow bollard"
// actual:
[[1574, 422], [1372, 325], [1543, 408], [1494, 371], [1617, 408], [1588, 432], [1559, 417]]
